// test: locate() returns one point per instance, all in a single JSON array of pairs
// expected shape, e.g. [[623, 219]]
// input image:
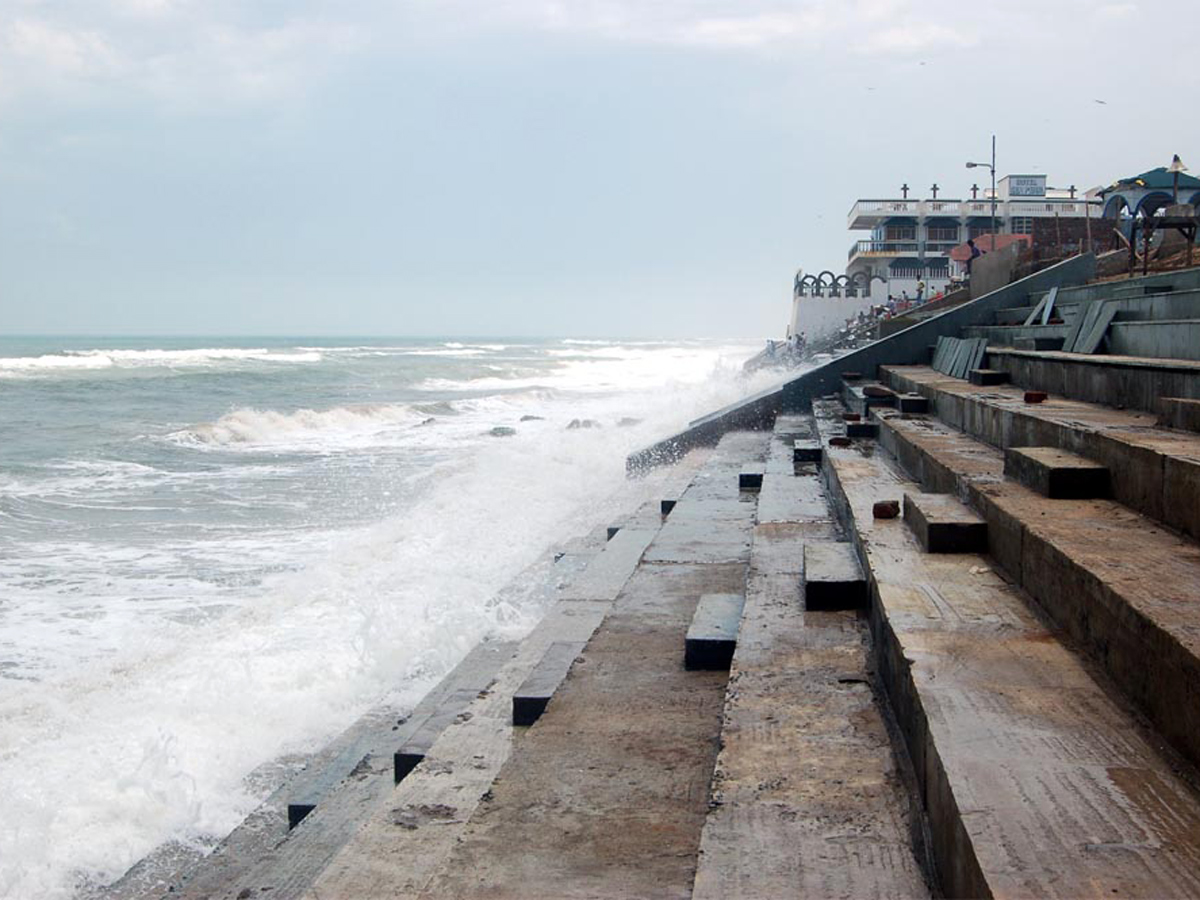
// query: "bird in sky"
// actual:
[[1101, 102]]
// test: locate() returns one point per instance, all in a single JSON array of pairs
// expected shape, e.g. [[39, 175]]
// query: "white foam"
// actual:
[[304, 427]]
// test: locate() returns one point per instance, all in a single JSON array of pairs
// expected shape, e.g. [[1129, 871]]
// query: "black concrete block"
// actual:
[[533, 696], [833, 577], [612, 532], [987, 376], [296, 813], [912, 403], [666, 506], [404, 761], [862, 429], [1056, 473], [750, 481], [804, 451], [712, 637], [1038, 343], [943, 525]]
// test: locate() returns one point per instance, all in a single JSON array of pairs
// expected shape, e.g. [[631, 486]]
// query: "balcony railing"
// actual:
[[900, 248], [877, 210]]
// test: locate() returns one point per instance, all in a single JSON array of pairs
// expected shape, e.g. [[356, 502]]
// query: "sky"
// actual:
[[615, 168]]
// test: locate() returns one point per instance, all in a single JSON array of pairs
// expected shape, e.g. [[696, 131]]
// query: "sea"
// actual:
[[218, 553]]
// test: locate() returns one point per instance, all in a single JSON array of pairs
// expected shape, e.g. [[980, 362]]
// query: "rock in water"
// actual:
[[531, 418], [502, 431], [582, 423], [628, 422]]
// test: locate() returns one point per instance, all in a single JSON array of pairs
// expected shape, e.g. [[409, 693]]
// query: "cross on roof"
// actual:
[[904, 190], [974, 192], [935, 190]]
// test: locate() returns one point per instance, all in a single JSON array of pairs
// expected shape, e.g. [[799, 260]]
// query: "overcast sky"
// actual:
[[528, 167]]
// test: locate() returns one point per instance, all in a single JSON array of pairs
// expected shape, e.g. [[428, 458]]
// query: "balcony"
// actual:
[[865, 214], [880, 249], [869, 213]]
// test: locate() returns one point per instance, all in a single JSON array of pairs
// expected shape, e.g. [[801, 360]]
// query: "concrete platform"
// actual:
[[807, 798], [1035, 781], [608, 794]]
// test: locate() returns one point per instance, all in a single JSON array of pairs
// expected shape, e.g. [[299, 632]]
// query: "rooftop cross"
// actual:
[[904, 190], [974, 191], [935, 190], [1072, 190]]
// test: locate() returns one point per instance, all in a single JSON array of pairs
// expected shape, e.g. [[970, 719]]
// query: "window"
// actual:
[[900, 233], [1022, 225], [943, 233]]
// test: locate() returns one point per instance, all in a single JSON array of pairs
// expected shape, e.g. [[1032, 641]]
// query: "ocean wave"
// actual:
[[74, 360], [252, 427]]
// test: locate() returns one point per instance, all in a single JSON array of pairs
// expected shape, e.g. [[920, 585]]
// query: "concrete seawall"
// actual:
[[905, 347]]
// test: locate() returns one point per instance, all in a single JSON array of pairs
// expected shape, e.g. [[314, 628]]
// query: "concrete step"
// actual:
[[1179, 412], [807, 797], [861, 398], [608, 793], [1036, 782], [1012, 315], [986, 376], [1122, 381], [712, 636], [1154, 471], [1057, 474], [1167, 338], [1119, 585], [535, 693], [1007, 335], [941, 524]]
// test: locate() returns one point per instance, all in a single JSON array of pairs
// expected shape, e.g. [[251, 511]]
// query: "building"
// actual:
[[911, 239], [1149, 192]]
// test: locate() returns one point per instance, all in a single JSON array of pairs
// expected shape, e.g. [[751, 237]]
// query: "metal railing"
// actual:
[[900, 248]]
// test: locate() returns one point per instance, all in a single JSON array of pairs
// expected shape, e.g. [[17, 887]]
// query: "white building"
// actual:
[[910, 239]]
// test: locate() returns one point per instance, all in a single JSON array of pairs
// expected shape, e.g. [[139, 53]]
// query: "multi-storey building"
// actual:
[[910, 239]]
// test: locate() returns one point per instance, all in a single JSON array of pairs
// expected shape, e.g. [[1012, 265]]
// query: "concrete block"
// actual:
[[913, 404], [612, 532], [833, 577], [666, 506], [943, 525], [806, 451], [750, 481], [851, 376], [987, 376], [862, 429], [712, 636], [1179, 412], [533, 696], [1056, 473]]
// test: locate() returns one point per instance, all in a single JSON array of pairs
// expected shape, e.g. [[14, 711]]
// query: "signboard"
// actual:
[[1027, 185]]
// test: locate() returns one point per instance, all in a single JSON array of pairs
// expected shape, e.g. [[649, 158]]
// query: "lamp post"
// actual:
[[992, 168], [1175, 168]]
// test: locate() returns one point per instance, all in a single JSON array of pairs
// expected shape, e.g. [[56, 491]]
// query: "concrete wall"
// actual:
[[994, 270], [908, 347]]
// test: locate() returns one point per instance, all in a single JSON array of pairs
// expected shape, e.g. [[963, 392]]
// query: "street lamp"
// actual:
[[991, 167], [1175, 168]]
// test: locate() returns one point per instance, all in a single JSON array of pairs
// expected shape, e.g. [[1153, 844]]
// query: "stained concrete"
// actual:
[[807, 799], [1036, 783], [1121, 586], [609, 793]]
